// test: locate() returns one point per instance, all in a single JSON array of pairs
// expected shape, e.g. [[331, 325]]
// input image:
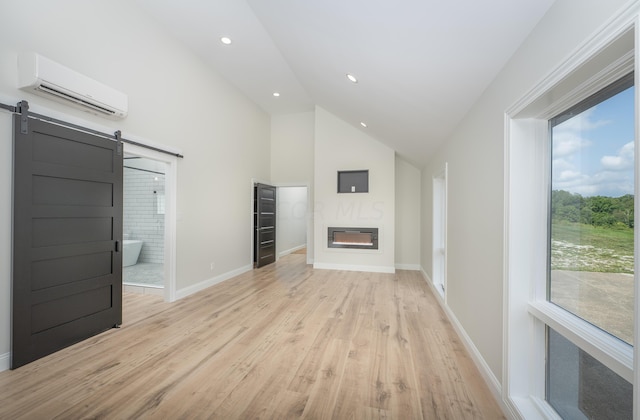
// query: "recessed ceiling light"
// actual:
[[225, 40], [352, 78], [363, 124], [276, 94]]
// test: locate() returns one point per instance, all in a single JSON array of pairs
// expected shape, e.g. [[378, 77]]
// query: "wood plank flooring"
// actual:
[[281, 342]]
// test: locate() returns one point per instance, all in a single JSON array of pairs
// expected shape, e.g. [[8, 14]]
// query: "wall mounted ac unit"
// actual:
[[47, 78]]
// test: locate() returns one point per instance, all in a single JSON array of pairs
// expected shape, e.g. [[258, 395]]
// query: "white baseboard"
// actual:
[[490, 379], [412, 267], [426, 276], [291, 251], [5, 362], [189, 290], [348, 267]]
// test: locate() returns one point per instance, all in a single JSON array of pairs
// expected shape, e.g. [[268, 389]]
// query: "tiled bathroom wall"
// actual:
[[144, 208]]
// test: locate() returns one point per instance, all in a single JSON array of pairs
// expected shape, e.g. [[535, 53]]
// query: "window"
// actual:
[[591, 262], [591, 247], [579, 386], [571, 318], [440, 231]]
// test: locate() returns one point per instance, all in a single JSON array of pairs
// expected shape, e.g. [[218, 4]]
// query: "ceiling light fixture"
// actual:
[[276, 94], [225, 40], [363, 124], [352, 78]]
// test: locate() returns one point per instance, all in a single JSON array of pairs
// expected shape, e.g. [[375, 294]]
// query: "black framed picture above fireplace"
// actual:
[[353, 181]]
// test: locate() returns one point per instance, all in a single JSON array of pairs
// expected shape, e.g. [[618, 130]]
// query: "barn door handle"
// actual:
[[117, 246]]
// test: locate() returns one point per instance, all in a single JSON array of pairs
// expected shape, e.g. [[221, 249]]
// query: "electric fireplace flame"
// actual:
[[355, 238]]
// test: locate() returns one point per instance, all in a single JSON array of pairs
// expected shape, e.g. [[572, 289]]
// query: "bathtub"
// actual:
[[130, 252]]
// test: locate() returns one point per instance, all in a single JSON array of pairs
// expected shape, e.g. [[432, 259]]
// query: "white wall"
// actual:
[[223, 136], [292, 148], [292, 159], [291, 227], [340, 146], [475, 154], [407, 251]]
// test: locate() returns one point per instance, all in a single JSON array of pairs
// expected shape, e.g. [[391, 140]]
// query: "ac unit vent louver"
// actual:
[[74, 99], [47, 78]]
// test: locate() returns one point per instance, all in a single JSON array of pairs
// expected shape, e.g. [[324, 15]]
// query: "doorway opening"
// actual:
[[149, 225], [440, 231], [143, 225], [292, 226], [294, 223]]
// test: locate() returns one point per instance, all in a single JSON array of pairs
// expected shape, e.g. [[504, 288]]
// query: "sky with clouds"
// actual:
[[593, 152]]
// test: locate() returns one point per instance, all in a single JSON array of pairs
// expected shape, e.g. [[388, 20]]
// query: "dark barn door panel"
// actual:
[[265, 224], [67, 231]]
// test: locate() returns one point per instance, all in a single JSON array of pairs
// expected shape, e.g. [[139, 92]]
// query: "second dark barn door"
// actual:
[[67, 264], [265, 224]]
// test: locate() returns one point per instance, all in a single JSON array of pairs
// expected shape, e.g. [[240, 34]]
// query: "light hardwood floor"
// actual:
[[284, 341]]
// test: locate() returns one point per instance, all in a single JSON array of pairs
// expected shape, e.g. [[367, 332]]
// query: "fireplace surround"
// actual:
[[352, 238]]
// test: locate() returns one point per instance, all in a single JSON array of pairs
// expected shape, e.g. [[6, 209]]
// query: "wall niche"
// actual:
[[353, 181]]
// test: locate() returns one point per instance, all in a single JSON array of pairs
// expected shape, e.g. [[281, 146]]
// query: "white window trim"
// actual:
[[526, 311], [613, 353]]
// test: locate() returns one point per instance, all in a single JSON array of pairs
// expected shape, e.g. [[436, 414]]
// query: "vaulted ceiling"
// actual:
[[420, 64]]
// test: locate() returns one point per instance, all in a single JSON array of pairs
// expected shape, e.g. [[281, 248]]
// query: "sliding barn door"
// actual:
[[265, 224], [67, 231]]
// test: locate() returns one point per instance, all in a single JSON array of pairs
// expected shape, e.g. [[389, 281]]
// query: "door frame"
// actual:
[[308, 216], [170, 216]]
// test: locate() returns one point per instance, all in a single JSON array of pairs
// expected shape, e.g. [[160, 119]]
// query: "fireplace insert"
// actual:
[[355, 238]]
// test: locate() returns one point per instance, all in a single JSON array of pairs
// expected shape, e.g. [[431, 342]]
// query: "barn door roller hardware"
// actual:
[[22, 108]]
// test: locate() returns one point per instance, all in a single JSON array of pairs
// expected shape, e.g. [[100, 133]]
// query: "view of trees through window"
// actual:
[[592, 207], [603, 223]]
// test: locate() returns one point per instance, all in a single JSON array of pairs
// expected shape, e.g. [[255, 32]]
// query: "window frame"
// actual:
[[611, 351], [527, 155]]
